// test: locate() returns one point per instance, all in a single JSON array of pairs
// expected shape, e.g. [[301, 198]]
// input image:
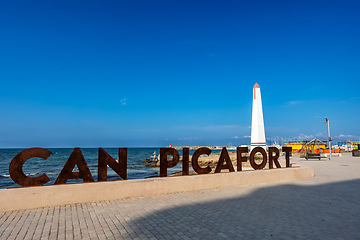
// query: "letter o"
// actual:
[[252, 158]]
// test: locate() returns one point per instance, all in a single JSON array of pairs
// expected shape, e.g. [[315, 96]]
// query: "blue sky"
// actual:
[[150, 73]]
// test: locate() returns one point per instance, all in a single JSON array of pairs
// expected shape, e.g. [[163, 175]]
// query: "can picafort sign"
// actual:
[[76, 158]]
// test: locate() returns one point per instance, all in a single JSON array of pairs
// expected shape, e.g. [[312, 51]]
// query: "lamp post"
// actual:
[[329, 140]]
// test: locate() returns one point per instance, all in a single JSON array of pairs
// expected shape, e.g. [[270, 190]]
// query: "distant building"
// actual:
[[315, 146], [353, 145], [297, 145]]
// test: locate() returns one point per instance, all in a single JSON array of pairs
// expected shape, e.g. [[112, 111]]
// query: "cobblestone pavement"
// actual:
[[324, 207]]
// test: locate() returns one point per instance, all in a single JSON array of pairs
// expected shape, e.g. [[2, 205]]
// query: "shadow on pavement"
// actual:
[[328, 211]]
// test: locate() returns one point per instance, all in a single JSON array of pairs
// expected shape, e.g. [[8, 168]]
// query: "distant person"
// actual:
[[154, 157]]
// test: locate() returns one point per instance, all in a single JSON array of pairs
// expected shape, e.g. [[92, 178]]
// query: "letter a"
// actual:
[[76, 158], [224, 156]]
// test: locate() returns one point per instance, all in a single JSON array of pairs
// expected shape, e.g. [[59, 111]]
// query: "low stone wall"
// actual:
[[56, 195]]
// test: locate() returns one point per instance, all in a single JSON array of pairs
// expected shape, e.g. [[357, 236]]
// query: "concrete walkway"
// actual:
[[324, 207]]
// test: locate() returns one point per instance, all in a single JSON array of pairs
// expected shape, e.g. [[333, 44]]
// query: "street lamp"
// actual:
[[329, 140]]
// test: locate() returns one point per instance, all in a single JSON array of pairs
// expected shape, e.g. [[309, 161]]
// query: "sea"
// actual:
[[136, 168]]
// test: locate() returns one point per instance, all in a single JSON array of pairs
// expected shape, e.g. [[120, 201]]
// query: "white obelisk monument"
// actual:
[[257, 122]]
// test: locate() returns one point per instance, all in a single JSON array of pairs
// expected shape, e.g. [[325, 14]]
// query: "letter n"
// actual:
[[224, 156], [119, 167], [76, 158]]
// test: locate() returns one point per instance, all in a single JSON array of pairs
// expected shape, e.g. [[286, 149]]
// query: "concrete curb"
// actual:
[[57, 195]]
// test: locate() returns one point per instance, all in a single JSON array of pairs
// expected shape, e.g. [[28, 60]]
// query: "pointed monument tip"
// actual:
[[256, 85]]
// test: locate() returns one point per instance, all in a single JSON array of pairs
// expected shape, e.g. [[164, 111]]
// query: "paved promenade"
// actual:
[[324, 207]]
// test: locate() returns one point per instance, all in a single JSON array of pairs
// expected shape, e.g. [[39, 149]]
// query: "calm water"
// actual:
[[52, 166]]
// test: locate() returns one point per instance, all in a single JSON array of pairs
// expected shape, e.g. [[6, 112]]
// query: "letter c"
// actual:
[[16, 165], [194, 160]]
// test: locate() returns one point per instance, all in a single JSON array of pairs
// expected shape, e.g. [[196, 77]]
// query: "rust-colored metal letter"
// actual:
[[287, 151], [16, 165], [76, 158], [164, 163], [185, 163], [194, 160], [240, 159], [224, 156], [273, 158], [119, 167], [252, 158]]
